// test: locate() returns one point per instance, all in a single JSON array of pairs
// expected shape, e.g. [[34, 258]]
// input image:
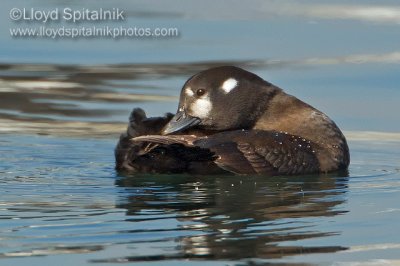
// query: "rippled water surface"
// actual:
[[63, 104], [62, 202]]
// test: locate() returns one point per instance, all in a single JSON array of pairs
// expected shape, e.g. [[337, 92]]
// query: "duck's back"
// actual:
[[288, 114]]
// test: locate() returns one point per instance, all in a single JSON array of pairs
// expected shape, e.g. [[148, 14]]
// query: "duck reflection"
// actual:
[[240, 217]]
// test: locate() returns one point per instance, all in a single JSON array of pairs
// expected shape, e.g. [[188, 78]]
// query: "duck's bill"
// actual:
[[179, 122]]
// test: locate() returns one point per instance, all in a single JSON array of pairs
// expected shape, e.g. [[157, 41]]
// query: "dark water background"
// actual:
[[64, 102]]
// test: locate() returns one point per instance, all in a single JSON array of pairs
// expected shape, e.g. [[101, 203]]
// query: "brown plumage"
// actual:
[[243, 126]]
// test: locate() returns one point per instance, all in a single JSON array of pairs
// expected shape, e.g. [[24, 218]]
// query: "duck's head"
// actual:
[[221, 98]]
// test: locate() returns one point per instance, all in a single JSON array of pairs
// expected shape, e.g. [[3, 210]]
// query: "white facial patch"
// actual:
[[229, 85], [189, 92], [201, 108]]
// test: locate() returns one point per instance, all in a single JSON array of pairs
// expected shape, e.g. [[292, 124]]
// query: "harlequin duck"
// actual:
[[232, 121]]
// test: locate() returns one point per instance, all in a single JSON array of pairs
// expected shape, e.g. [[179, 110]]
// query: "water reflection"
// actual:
[[237, 217]]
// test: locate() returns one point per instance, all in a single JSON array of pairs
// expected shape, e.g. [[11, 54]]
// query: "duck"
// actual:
[[231, 121]]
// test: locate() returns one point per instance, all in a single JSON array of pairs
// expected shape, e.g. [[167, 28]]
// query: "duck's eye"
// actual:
[[200, 92]]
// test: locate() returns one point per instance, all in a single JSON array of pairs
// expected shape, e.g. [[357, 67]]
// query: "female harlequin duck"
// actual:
[[232, 121]]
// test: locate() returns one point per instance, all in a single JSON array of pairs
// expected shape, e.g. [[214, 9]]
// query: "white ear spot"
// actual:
[[189, 92], [201, 108], [229, 85]]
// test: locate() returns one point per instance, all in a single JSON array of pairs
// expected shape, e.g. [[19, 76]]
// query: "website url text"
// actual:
[[93, 31]]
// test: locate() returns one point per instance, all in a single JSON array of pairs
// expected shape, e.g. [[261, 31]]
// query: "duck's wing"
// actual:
[[227, 153], [186, 140], [250, 152], [268, 152]]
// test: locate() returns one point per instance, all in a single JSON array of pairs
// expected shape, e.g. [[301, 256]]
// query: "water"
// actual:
[[63, 104], [62, 198]]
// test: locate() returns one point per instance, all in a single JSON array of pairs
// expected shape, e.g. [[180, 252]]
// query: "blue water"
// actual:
[[63, 104], [63, 203]]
